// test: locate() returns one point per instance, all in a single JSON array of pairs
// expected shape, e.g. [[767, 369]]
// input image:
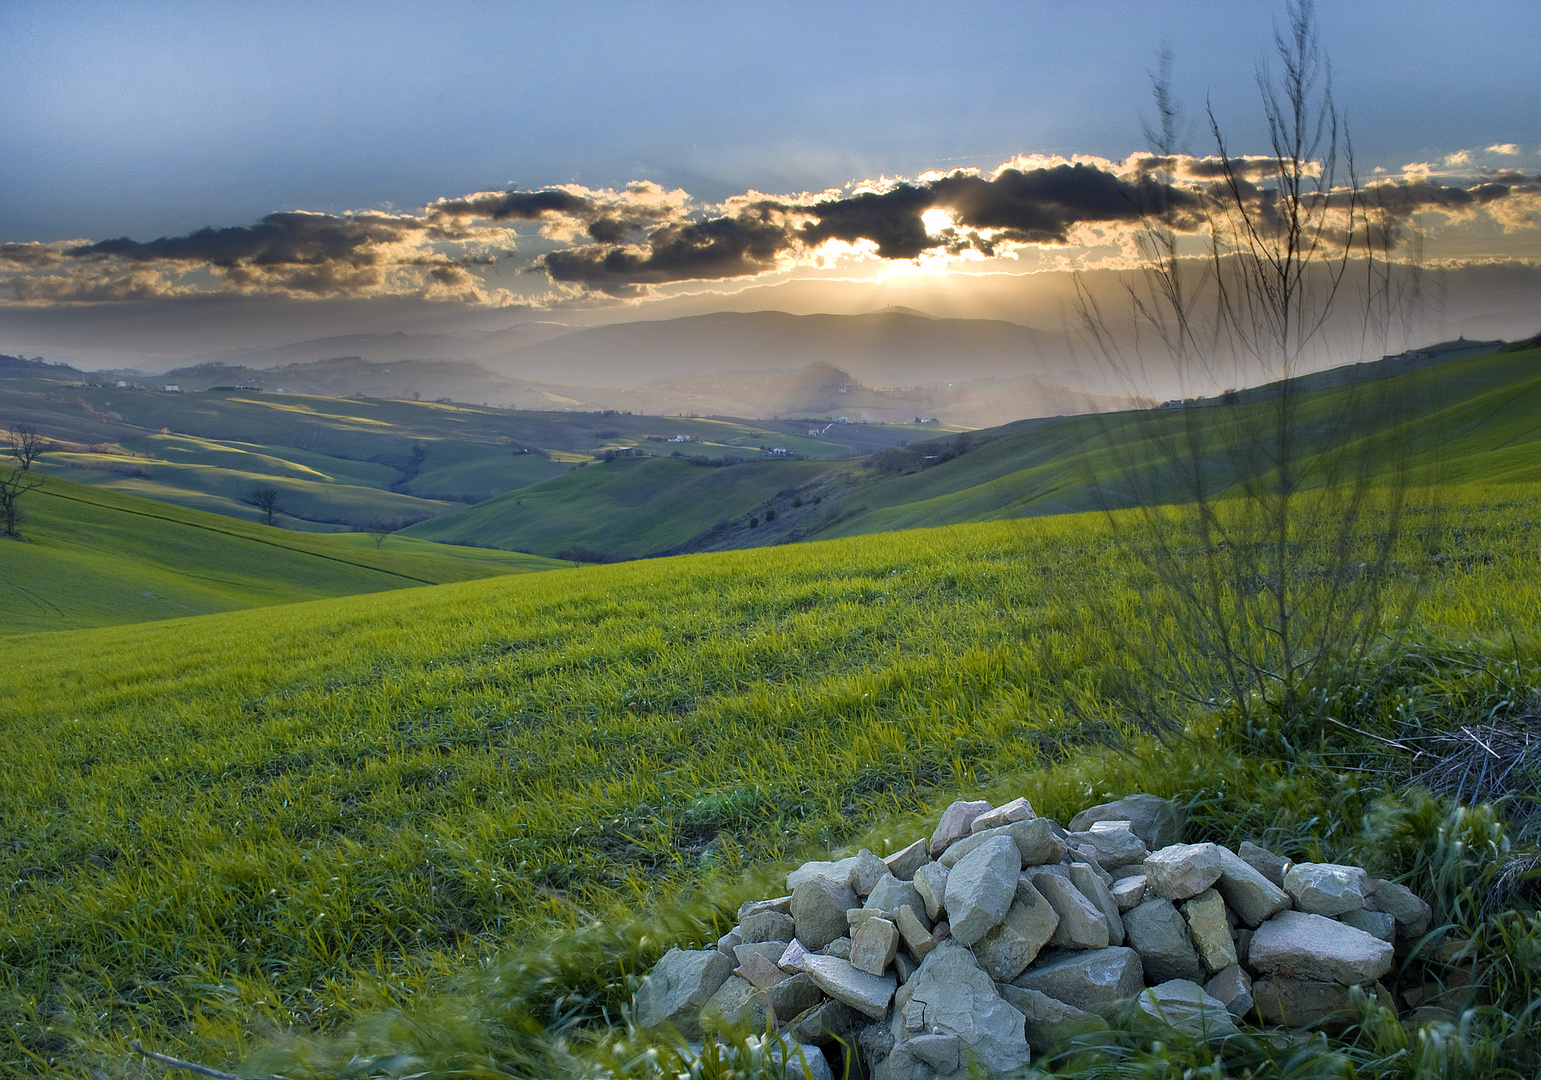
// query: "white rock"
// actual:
[[955, 824], [951, 995], [1007, 950], [1326, 888], [1248, 892], [1306, 946], [1185, 1007], [874, 946], [674, 992], [1128, 892], [931, 883], [841, 980], [980, 888], [903, 863], [819, 905], [1015, 810], [837, 871], [1084, 878], [1154, 820], [1183, 870], [1081, 924]]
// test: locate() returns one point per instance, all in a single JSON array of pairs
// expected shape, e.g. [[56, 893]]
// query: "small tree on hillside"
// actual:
[[26, 444], [1268, 533], [266, 500], [12, 487], [379, 530]]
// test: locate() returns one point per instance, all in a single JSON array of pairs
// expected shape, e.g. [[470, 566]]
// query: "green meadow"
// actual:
[[92, 557], [436, 831]]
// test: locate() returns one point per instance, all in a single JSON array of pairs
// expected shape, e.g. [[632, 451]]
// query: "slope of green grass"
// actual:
[[283, 817], [1470, 420], [92, 558], [629, 507]]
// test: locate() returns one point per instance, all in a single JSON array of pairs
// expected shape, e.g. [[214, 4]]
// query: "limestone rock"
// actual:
[[1095, 982], [1411, 913], [792, 997], [931, 883], [1114, 843], [855, 916], [1309, 946], [799, 1061], [1015, 810], [866, 871], [1159, 934], [1210, 933], [1050, 1022], [766, 926], [942, 1052], [1233, 986], [1081, 924], [840, 947], [1128, 892], [1156, 821], [903, 863], [866, 993], [1326, 888], [1184, 1006], [1179, 871], [819, 904], [782, 904], [1084, 878], [1301, 1003], [874, 946], [763, 972], [980, 888], [678, 986], [738, 1003], [955, 824], [838, 871], [1247, 890], [1037, 840], [951, 995], [792, 958], [726, 943], [890, 894], [1375, 923], [917, 938], [1265, 862], [1007, 949], [771, 950], [825, 1023]]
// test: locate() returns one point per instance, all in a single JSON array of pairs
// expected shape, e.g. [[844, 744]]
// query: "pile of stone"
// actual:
[[1005, 934]]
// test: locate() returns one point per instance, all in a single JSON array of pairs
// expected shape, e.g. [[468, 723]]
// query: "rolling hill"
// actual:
[[92, 557], [1470, 419]]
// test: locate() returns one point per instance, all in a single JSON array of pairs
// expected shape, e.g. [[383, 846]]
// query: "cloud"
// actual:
[[1460, 157], [629, 241], [1508, 149]]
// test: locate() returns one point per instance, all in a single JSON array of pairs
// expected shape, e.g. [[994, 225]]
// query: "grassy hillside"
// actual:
[[345, 462], [291, 818], [626, 508], [1474, 419], [97, 558]]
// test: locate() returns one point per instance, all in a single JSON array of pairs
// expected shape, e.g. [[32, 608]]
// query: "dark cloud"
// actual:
[[516, 205], [288, 239], [1040, 206], [747, 243], [891, 219]]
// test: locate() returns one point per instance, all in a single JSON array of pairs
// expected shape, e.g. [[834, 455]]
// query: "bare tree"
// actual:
[[379, 530], [266, 500], [26, 444], [12, 487], [1270, 533]]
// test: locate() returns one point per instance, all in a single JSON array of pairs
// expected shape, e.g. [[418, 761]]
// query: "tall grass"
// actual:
[[452, 823]]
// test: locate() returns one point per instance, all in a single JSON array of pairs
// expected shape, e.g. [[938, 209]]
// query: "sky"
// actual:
[[196, 175]]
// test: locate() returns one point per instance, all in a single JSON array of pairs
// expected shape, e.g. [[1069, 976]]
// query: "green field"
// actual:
[[95, 558], [626, 508], [340, 463], [296, 817]]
